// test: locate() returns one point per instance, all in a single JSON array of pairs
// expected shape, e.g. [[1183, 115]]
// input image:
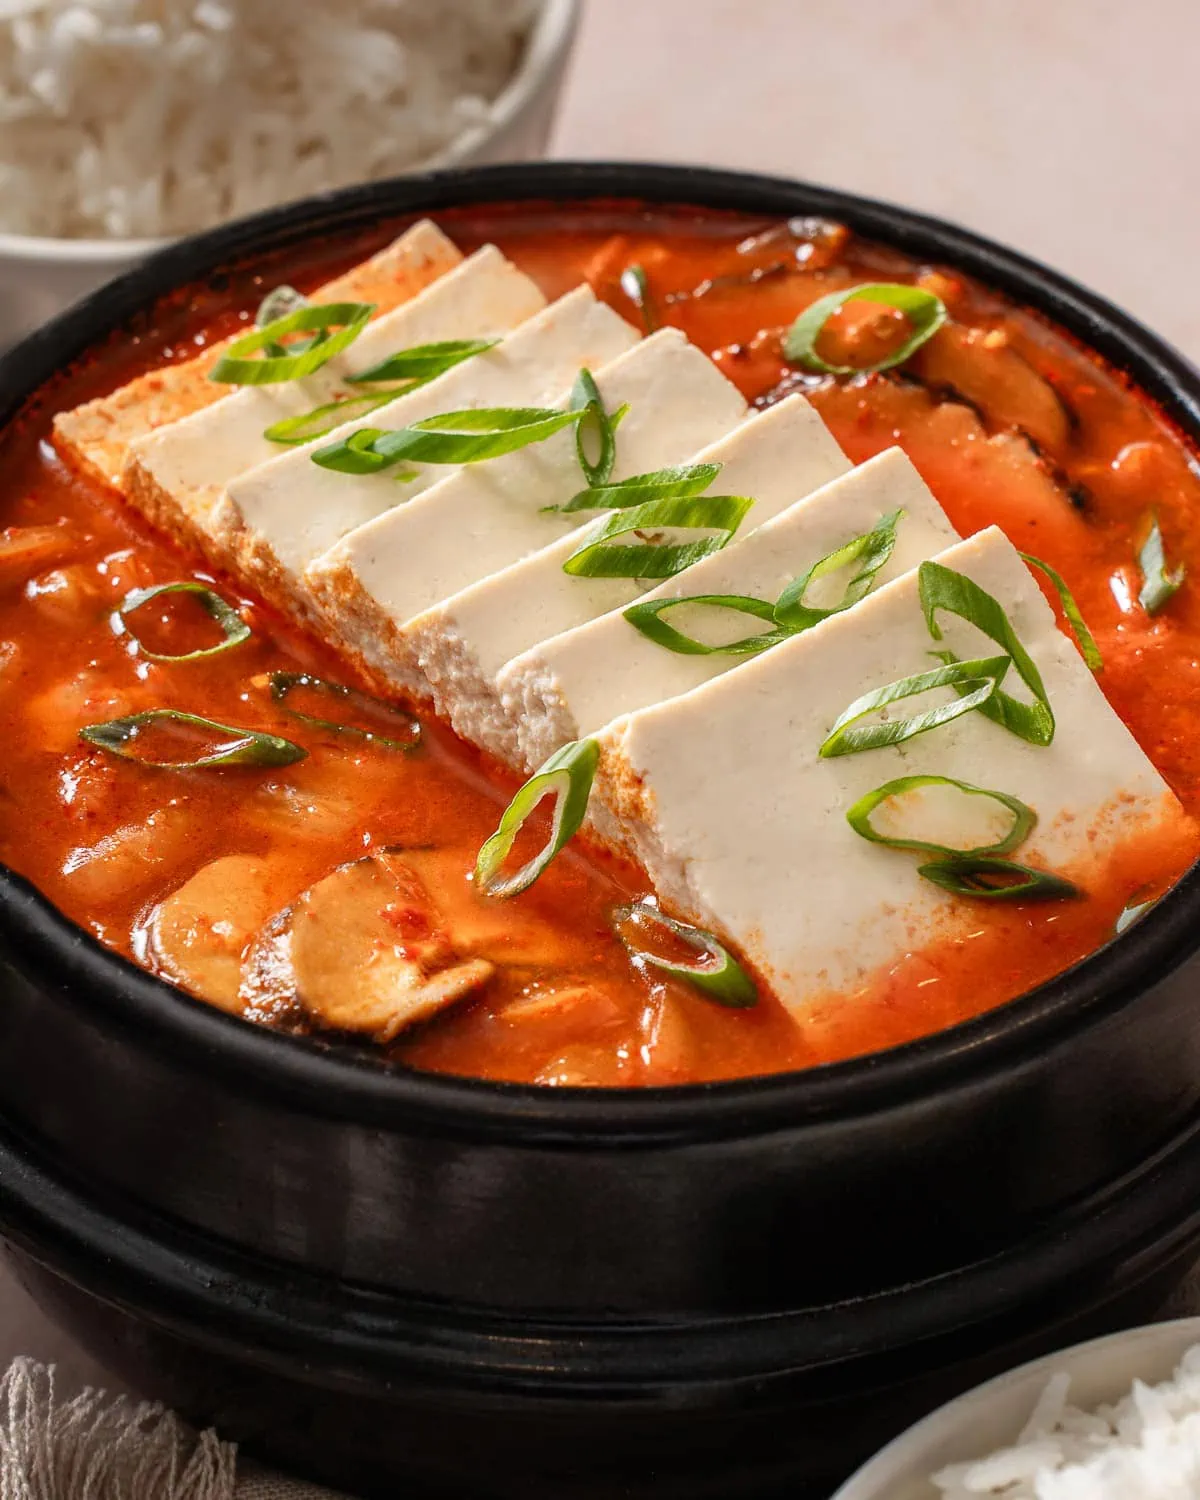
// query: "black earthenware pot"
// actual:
[[504, 1291]]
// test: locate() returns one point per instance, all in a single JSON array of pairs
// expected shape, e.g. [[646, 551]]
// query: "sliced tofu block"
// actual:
[[487, 516], [281, 516], [573, 684], [724, 798], [97, 435], [462, 644], [178, 474]]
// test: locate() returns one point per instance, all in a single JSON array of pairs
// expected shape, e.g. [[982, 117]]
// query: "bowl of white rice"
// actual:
[[1114, 1419], [127, 123]]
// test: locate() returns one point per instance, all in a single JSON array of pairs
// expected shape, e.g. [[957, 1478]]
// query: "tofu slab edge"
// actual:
[[95, 437], [758, 849]]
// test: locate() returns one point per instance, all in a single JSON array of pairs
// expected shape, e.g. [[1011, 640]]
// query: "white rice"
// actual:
[[1146, 1447], [136, 118]]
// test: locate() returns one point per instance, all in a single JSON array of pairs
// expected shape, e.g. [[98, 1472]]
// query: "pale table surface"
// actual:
[[1067, 128]]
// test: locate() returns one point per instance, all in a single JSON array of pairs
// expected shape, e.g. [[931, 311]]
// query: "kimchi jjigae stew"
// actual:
[[599, 645]]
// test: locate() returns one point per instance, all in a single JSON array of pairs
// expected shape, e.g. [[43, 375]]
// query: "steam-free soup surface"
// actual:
[[1081, 465]]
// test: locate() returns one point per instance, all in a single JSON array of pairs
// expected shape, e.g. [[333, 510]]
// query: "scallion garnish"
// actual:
[[715, 973], [859, 817], [1159, 583], [422, 362], [647, 617], [242, 747], [453, 437], [598, 557], [567, 777], [637, 289], [1132, 913], [975, 680], [870, 551], [278, 303], [238, 366], [925, 313], [941, 588], [283, 684], [1087, 641], [676, 483], [595, 422], [985, 878], [322, 419], [233, 628]]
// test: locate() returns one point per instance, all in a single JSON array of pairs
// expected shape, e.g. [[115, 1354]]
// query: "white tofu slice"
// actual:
[[283, 515], [188, 464], [487, 516], [723, 797], [462, 644], [573, 684]]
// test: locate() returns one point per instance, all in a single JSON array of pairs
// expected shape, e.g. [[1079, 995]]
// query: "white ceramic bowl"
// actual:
[[992, 1415], [39, 277]]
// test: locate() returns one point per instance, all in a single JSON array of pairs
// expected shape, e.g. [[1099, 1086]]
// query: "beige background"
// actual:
[[1069, 128]]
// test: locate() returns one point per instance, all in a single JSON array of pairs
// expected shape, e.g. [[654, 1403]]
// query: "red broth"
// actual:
[[1084, 463]]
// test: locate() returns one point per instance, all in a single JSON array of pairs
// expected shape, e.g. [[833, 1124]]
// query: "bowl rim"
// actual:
[[345, 1083], [546, 51], [876, 1479]]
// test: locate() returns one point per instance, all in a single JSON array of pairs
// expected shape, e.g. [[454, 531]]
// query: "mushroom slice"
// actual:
[[362, 950], [198, 934]]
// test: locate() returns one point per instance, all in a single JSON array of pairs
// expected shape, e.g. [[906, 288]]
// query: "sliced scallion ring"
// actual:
[[870, 551], [647, 617], [242, 747], [925, 313], [322, 419], [1133, 912], [453, 437], [985, 878], [567, 777], [423, 361], [1159, 583], [859, 817], [233, 628], [1087, 641], [597, 423], [282, 684], [676, 483], [598, 557], [716, 973], [941, 588], [637, 289], [239, 366], [975, 680]]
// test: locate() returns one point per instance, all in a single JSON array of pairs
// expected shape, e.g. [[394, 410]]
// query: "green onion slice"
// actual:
[[586, 397], [975, 680], [323, 419], [454, 437], [676, 483], [925, 313], [1087, 641], [423, 361], [859, 817], [941, 588], [282, 684], [597, 557], [233, 628], [242, 747], [1159, 583], [637, 289], [870, 551], [238, 366], [647, 617], [567, 777], [1132, 913], [985, 878], [716, 973]]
